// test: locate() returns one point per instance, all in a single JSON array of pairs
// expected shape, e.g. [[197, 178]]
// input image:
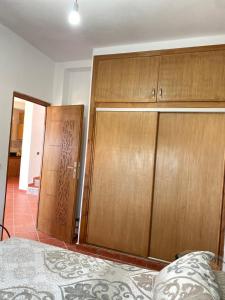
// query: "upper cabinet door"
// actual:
[[192, 77], [131, 79]]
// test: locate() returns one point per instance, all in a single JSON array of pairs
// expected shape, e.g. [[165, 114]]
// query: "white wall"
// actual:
[[72, 86], [161, 45], [61, 77], [25, 69], [26, 146], [78, 88], [33, 139], [19, 104], [37, 142]]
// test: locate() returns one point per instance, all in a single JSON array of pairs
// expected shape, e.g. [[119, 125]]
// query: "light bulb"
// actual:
[[74, 16]]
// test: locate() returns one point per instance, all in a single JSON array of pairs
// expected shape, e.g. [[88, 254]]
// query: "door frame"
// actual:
[[29, 99]]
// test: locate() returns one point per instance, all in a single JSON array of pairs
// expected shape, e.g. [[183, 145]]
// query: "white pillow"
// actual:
[[189, 277]]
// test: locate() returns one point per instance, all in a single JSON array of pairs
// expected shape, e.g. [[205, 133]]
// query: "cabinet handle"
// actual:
[[160, 92], [153, 93]]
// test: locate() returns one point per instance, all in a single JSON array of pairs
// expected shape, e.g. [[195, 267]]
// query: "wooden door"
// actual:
[[189, 183], [197, 76], [14, 166], [120, 201], [60, 171], [132, 79]]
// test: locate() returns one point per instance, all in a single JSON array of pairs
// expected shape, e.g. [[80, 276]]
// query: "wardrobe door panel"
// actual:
[[197, 76], [121, 191], [189, 182], [132, 79]]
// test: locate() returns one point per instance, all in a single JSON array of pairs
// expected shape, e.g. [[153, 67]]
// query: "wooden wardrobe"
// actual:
[[156, 153]]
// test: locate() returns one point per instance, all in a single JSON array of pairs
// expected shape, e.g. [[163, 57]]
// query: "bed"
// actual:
[[31, 270]]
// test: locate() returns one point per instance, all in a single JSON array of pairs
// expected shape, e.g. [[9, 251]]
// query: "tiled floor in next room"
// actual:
[[21, 213]]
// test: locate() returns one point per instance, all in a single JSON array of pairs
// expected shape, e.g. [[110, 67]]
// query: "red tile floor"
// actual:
[[21, 214], [20, 219]]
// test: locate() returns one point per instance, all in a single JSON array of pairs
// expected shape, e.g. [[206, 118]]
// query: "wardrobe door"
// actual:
[[121, 192], [132, 79], [198, 76], [189, 183]]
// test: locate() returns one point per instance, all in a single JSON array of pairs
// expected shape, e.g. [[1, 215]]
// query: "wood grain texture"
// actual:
[[20, 132], [127, 79], [121, 191], [189, 178], [56, 215], [196, 76], [14, 166]]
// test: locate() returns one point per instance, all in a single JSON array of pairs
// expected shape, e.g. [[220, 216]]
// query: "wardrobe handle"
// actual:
[[153, 93], [160, 92]]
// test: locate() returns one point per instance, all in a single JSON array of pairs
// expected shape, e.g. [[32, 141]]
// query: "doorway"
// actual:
[[43, 171], [24, 169]]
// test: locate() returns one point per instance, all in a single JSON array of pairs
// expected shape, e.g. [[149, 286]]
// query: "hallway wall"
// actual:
[[32, 144], [37, 142]]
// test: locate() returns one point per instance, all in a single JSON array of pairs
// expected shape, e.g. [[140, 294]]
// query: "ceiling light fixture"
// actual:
[[74, 16]]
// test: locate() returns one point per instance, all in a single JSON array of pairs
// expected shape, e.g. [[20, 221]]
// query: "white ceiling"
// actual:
[[109, 22]]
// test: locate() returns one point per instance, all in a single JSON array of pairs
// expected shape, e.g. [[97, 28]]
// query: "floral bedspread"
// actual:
[[31, 270]]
